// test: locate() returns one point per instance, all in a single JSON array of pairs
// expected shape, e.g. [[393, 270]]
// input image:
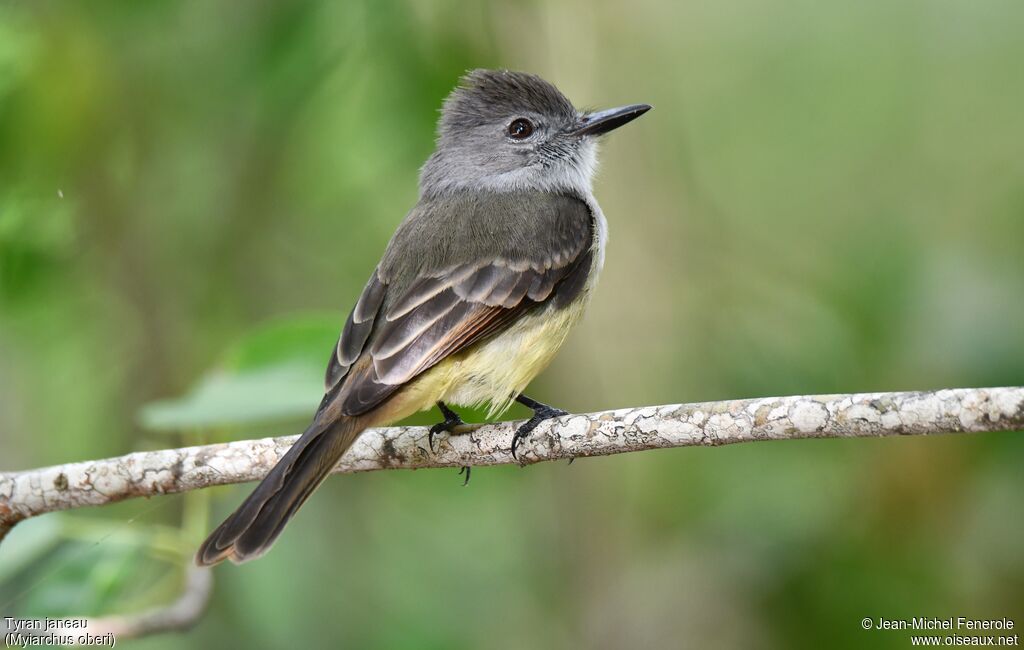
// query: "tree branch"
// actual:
[[142, 474]]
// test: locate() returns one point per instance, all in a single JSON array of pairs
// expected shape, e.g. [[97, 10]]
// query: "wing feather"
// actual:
[[356, 331], [403, 325]]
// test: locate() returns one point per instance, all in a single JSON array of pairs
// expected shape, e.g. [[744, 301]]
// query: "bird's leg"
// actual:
[[451, 420], [541, 412]]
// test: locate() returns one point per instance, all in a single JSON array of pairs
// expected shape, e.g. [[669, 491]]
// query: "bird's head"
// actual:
[[507, 131]]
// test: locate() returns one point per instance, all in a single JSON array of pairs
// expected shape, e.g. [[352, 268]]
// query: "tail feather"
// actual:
[[250, 531]]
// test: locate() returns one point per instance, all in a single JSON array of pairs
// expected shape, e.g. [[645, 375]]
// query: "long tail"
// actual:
[[250, 531]]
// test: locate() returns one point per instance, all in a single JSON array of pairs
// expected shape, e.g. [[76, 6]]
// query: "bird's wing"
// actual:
[[478, 266]]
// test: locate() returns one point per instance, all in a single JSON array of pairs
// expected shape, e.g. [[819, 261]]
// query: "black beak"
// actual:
[[604, 121]]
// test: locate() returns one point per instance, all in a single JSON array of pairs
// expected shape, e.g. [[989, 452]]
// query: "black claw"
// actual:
[[541, 412], [434, 430], [520, 434], [451, 420], [467, 469]]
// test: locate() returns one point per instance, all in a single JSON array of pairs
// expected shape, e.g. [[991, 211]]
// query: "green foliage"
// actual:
[[31, 543], [274, 374], [63, 563]]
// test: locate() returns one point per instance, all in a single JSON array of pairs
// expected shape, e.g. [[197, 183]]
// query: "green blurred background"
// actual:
[[828, 197]]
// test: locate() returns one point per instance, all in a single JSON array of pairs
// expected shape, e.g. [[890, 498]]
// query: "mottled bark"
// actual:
[[74, 485]]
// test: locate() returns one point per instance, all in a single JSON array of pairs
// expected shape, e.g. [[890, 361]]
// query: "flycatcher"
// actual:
[[474, 295]]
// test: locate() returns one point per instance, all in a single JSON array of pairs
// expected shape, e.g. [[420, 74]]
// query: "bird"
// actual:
[[475, 293]]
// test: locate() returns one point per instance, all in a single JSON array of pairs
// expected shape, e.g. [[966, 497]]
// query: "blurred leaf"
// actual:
[[83, 567], [87, 578], [299, 339], [273, 374], [28, 542], [225, 399]]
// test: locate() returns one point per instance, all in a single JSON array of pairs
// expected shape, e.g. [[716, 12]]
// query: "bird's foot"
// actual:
[[451, 420], [541, 412]]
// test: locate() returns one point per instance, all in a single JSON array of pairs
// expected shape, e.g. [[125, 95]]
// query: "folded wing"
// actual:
[[406, 321]]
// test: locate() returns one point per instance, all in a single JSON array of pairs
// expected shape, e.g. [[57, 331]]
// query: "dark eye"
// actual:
[[520, 128]]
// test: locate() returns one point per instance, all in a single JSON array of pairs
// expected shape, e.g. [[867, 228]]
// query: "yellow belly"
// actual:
[[495, 371]]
